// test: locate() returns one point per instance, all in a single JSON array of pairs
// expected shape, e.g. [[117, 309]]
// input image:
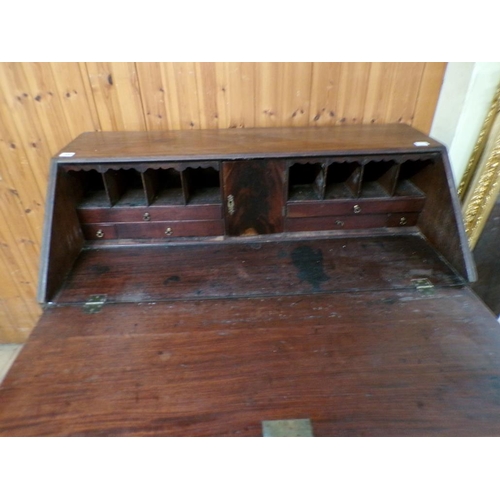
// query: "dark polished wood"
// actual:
[[241, 143], [336, 222], [257, 193], [257, 268], [155, 213], [346, 207], [153, 230], [63, 236], [270, 176], [384, 363], [252, 275], [441, 217]]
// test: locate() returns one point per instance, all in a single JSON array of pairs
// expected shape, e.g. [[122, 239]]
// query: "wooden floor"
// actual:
[[391, 363]]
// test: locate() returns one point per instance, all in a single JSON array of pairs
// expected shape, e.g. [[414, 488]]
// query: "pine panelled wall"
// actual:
[[43, 106]]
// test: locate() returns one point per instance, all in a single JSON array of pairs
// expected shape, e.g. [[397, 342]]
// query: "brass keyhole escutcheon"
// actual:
[[146, 216], [403, 221], [100, 233], [230, 204], [169, 231], [356, 209], [339, 223]]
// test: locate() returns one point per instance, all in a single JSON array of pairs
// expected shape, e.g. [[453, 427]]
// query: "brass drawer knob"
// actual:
[[403, 221], [146, 216], [356, 209], [169, 231], [339, 223], [100, 233]]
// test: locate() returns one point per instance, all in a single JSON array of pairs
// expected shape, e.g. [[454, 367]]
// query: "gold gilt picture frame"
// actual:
[[480, 185]]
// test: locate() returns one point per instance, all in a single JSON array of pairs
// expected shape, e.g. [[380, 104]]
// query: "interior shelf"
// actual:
[[163, 187], [379, 179], [136, 187], [306, 181], [354, 178], [411, 170], [125, 188], [202, 185], [90, 189], [343, 180]]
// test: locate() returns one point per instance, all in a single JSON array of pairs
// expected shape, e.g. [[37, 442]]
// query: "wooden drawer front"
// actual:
[[355, 205], [331, 223], [158, 214], [99, 231], [170, 229], [402, 219]]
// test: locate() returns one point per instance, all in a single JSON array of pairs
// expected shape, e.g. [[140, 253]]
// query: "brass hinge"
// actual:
[[94, 304], [424, 285]]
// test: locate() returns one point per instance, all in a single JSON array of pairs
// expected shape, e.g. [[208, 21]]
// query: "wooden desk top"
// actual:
[[388, 363], [246, 143]]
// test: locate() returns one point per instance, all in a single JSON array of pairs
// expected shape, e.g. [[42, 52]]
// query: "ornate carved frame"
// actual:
[[480, 183]]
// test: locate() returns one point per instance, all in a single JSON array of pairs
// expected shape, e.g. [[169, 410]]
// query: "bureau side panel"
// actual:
[[62, 236], [441, 219]]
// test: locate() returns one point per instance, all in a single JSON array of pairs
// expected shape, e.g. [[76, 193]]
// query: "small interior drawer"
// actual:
[[169, 229], [353, 206], [146, 214], [338, 222]]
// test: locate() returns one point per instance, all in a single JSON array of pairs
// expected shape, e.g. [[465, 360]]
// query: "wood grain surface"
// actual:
[[253, 268], [387, 363], [43, 106], [247, 143], [257, 191]]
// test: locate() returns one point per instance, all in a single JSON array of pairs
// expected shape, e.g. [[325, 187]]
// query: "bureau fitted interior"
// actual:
[[185, 199], [144, 198]]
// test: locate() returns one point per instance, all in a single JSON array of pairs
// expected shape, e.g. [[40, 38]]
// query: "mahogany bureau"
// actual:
[[200, 283]]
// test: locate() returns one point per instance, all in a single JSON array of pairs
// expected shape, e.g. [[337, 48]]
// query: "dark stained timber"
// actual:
[[256, 275], [386, 363]]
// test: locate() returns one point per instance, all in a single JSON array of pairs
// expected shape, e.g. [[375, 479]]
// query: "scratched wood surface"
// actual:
[[45, 105], [220, 367], [253, 269]]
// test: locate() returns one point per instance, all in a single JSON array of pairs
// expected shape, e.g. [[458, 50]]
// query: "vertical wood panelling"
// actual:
[[432, 80], [153, 96], [324, 90], [403, 92], [183, 94], [353, 86], [242, 94], [207, 95], [117, 96], [75, 97], [296, 94], [45, 105], [267, 95], [378, 93]]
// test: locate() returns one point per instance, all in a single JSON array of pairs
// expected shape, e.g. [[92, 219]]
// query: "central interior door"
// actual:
[[254, 196]]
